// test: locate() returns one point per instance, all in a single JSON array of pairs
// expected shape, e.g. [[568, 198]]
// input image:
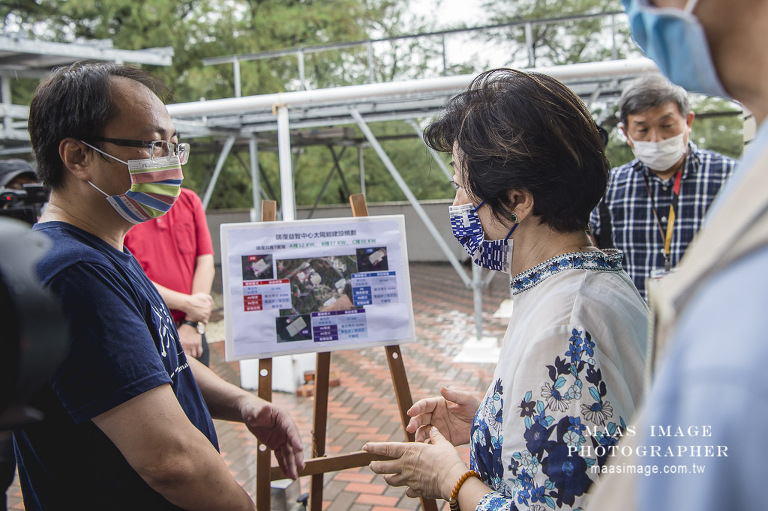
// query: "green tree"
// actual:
[[718, 125], [559, 42], [197, 29]]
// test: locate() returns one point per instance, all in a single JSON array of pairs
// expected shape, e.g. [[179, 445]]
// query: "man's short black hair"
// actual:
[[526, 131], [76, 101]]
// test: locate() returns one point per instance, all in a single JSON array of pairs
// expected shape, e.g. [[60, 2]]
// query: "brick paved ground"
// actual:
[[363, 407]]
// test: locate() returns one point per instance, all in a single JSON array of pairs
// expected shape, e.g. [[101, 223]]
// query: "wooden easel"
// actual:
[[319, 464]]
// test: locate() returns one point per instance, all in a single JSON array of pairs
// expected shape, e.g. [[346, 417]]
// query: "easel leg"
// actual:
[[320, 462], [322, 377], [264, 455], [404, 401]]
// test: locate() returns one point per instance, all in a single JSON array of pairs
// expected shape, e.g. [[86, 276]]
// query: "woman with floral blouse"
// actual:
[[529, 168]]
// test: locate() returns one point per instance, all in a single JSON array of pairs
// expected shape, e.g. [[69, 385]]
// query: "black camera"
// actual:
[[25, 204], [34, 338]]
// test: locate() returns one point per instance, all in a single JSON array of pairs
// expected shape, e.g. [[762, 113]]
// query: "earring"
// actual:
[[513, 217]]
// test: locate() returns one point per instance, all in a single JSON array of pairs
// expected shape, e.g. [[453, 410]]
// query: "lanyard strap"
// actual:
[[667, 237]]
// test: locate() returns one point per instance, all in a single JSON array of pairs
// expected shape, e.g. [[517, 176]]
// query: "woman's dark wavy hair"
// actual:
[[75, 101], [525, 131]]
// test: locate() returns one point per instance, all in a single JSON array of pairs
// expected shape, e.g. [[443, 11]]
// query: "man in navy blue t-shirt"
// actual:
[[127, 422]]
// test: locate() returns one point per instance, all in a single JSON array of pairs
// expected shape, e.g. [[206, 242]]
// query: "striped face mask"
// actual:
[[155, 186]]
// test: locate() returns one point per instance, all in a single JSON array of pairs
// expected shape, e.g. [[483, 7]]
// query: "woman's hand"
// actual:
[[452, 413], [428, 469]]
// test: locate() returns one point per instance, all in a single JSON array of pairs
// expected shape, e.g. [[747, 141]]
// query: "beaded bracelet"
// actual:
[[454, 502]]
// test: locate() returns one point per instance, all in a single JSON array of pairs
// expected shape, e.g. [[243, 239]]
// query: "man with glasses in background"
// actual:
[[128, 417], [699, 433], [656, 203]]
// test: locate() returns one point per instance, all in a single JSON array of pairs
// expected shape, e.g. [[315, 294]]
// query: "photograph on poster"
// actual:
[[258, 267], [372, 259], [319, 283], [293, 328], [315, 285]]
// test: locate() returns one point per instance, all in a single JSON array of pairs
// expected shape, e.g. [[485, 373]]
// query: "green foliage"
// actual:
[[718, 126], [199, 29], [412, 159], [557, 42], [617, 151]]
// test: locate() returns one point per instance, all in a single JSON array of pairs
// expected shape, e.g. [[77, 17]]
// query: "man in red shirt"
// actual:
[[176, 253]]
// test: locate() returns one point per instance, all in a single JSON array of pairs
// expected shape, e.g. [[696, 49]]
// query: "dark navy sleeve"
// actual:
[[118, 341]]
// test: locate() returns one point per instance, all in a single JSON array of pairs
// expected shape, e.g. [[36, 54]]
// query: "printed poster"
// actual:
[[315, 285]]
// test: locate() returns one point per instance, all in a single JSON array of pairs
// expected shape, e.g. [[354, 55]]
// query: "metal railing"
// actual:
[[613, 25]]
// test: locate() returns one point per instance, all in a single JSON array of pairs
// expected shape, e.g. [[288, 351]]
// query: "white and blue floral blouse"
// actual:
[[569, 376]]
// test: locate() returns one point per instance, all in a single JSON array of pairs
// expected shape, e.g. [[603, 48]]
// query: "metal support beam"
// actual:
[[5, 98], [302, 77], [337, 165], [219, 165], [296, 155], [361, 168], [434, 154], [445, 60], [488, 278], [364, 93], [478, 283], [287, 193], [328, 179], [322, 192], [409, 195], [71, 52], [370, 62], [236, 70], [265, 192], [529, 44], [253, 150], [594, 96]]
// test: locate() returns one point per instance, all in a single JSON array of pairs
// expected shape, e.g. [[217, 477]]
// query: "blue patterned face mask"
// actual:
[[494, 254], [675, 40]]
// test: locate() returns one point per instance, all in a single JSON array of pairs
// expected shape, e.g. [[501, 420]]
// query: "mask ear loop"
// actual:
[[105, 154], [99, 189], [511, 231], [690, 6]]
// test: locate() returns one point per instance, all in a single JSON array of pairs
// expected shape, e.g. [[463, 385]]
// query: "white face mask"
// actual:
[[662, 155]]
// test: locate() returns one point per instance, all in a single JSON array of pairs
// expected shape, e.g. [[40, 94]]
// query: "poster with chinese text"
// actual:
[[315, 285]]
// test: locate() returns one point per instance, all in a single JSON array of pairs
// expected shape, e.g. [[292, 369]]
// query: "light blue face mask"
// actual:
[[675, 40], [492, 254]]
